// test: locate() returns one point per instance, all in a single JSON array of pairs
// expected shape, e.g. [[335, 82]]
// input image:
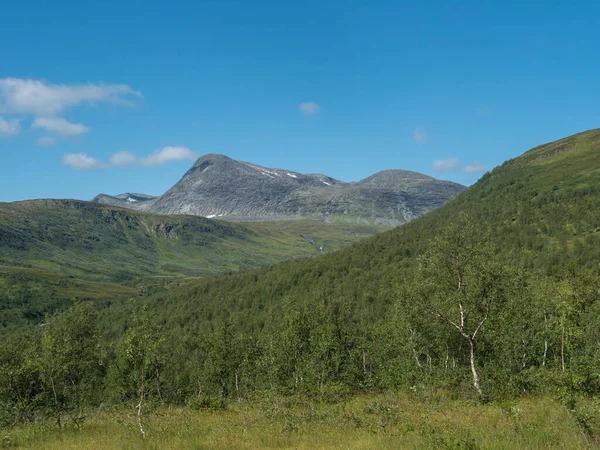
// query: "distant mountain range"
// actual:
[[219, 187]]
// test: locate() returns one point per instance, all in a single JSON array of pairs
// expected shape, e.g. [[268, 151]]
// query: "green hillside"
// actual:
[[101, 242], [492, 297], [57, 252], [356, 314], [541, 212]]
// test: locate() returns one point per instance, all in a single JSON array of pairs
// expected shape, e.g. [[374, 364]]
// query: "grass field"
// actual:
[[385, 421]]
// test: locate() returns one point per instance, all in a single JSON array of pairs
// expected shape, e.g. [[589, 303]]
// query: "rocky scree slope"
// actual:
[[219, 187]]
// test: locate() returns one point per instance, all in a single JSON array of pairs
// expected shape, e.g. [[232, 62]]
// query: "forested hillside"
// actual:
[[100, 242], [494, 295]]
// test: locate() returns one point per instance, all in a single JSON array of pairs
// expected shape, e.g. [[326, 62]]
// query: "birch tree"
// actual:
[[461, 286], [141, 358], [70, 360]]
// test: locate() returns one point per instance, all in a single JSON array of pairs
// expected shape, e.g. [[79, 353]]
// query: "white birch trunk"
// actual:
[[473, 368]]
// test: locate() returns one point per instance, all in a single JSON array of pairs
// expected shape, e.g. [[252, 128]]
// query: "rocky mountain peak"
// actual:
[[211, 159], [217, 186]]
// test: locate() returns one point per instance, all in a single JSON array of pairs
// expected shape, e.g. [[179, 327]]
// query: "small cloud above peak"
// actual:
[[167, 154], [453, 164], [420, 136], [309, 108], [122, 159], [443, 165], [474, 168], [82, 161]]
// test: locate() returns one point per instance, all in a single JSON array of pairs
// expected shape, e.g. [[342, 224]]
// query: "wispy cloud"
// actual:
[[26, 96], [46, 141], [9, 127], [167, 154], [453, 164], [443, 165], [59, 126], [47, 102], [309, 108], [127, 159], [82, 161], [420, 136], [123, 159], [474, 168]]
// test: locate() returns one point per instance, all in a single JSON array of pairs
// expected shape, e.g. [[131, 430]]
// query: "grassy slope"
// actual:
[[385, 421], [55, 252], [99, 242], [541, 210]]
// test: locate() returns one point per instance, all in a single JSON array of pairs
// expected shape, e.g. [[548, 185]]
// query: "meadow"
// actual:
[[378, 421]]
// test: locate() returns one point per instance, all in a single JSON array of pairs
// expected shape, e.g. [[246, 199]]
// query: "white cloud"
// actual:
[[309, 108], [46, 141], [9, 127], [474, 168], [126, 159], [122, 159], [47, 102], [167, 154], [453, 164], [26, 96], [443, 165], [82, 161], [60, 126], [420, 136]]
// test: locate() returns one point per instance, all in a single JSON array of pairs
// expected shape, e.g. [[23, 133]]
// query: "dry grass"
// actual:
[[386, 421]]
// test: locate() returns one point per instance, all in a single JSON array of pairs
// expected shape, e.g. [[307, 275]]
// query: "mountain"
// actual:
[[360, 318], [541, 212], [218, 186], [103, 242], [122, 200], [369, 318]]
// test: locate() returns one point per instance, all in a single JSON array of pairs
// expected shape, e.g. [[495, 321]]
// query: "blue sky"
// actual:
[[115, 96]]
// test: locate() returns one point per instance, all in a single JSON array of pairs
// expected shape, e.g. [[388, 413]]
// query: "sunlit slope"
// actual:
[[540, 210], [105, 242]]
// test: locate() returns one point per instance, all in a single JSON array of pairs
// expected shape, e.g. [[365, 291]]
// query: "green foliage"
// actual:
[[382, 314], [28, 295], [54, 371], [140, 358], [357, 316], [70, 362]]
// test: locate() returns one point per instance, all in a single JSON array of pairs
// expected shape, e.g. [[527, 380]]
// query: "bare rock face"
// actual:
[[219, 187], [123, 200]]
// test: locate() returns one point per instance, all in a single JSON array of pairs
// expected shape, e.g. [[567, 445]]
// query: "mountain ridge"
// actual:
[[219, 186]]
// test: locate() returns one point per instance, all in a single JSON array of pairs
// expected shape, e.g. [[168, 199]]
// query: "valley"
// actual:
[[299, 225], [305, 309]]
